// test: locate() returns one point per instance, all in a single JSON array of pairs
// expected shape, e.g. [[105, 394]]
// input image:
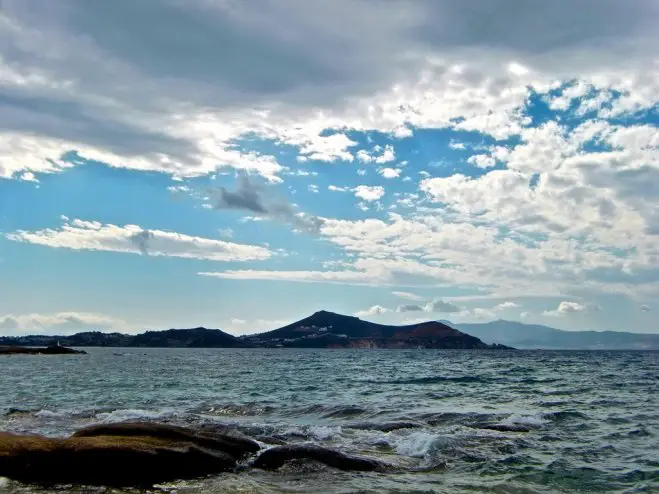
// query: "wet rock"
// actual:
[[386, 426], [276, 457], [118, 455], [51, 350], [234, 444], [505, 427]]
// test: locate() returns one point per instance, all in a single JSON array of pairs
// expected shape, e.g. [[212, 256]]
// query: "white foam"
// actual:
[[531, 420], [417, 444], [132, 414], [324, 433], [50, 414]]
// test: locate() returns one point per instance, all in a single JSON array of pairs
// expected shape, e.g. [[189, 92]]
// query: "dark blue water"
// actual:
[[452, 421]]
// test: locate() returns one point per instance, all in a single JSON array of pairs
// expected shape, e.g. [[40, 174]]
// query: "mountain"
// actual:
[[329, 330], [522, 335], [171, 338]]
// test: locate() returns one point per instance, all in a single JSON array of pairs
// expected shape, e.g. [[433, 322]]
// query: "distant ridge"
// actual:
[[171, 338], [531, 336], [322, 329]]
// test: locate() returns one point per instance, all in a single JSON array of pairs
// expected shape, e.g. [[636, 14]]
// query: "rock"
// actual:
[[120, 455], [386, 426], [231, 443], [504, 427], [277, 456], [51, 350]]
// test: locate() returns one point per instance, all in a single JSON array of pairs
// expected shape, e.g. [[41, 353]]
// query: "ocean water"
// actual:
[[449, 421]]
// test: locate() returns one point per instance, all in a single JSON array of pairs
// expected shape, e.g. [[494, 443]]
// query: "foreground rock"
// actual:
[[276, 457], [131, 454], [51, 350], [141, 454]]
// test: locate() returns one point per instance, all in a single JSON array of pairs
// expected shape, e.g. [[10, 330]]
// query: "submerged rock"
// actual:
[[276, 457], [129, 454]]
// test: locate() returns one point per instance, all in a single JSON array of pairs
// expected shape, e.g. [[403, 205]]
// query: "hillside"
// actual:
[[325, 329], [172, 338]]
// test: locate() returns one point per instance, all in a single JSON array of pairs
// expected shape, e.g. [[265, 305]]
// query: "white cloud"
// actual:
[[323, 148], [407, 295], [369, 193], [481, 161], [506, 306], [389, 172], [566, 308], [442, 306], [334, 188], [63, 323], [453, 144], [343, 277], [387, 155], [29, 177], [376, 310], [92, 235], [313, 188], [364, 156]]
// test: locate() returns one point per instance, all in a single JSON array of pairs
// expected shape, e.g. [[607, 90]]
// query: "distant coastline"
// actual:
[[320, 330], [325, 329]]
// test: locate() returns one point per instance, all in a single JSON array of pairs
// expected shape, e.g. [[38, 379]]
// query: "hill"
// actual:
[[172, 338], [325, 329], [522, 335]]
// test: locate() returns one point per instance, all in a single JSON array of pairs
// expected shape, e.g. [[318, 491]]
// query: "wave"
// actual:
[[564, 415], [436, 379]]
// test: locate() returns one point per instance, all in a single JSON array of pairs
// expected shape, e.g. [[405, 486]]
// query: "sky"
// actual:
[[240, 165]]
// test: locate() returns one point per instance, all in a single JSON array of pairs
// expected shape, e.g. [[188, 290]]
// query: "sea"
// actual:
[[447, 421]]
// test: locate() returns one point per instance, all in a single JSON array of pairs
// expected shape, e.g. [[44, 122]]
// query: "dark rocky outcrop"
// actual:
[[278, 456], [141, 454], [231, 443], [50, 350], [106, 460]]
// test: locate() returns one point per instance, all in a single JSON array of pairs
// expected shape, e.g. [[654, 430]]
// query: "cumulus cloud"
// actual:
[[565, 308], [506, 305], [389, 172], [645, 308], [78, 234], [376, 310], [369, 193]]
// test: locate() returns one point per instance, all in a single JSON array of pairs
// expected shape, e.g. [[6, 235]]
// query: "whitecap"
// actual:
[[530, 420], [418, 444], [133, 414]]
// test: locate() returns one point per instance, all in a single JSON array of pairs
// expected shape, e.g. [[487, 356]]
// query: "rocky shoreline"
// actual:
[[141, 454], [50, 350]]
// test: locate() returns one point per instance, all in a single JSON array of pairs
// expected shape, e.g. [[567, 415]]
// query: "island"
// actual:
[[323, 329]]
